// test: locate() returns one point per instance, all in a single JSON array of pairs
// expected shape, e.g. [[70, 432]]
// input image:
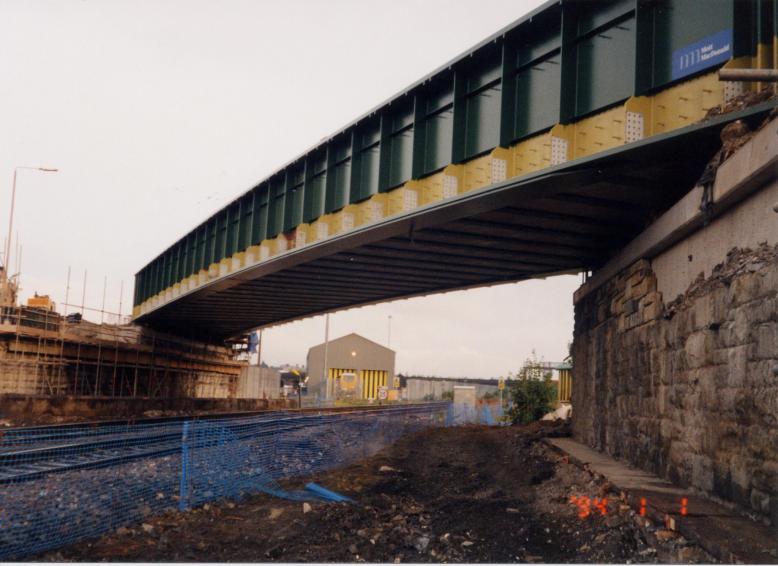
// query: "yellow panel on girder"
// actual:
[[531, 155], [441, 185], [371, 210], [343, 220], [684, 104], [403, 199], [318, 229], [599, 132]]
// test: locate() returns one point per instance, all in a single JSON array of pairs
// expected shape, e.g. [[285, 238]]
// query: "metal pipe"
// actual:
[[749, 75], [121, 298], [13, 202], [10, 225], [67, 293], [259, 354], [18, 250], [328, 393]]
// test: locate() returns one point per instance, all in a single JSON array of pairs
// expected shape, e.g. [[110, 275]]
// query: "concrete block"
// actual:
[[736, 168], [770, 279], [703, 312], [602, 313], [617, 304], [745, 288], [665, 373], [741, 469], [698, 349], [630, 306], [651, 297], [646, 286], [766, 402], [741, 327], [764, 147], [765, 310], [728, 398], [653, 311], [631, 283], [640, 265], [702, 473], [767, 340], [774, 510]]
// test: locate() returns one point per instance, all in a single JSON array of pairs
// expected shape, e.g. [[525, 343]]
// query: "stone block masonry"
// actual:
[[686, 388]]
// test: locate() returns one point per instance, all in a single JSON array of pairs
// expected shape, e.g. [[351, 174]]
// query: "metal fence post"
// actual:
[[183, 492]]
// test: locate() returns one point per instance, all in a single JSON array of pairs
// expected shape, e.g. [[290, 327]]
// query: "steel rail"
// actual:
[[90, 426], [33, 463]]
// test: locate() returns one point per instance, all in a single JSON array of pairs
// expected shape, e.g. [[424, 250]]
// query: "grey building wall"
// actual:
[[418, 388], [258, 383], [369, 356]]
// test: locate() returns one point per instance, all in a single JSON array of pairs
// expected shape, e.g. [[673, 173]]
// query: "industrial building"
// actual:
[[372, 363]]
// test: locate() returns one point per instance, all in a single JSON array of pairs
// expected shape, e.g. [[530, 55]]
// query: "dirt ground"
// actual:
[[465, 494]]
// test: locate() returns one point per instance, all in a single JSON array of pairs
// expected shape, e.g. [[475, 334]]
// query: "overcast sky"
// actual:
[[159, 112]]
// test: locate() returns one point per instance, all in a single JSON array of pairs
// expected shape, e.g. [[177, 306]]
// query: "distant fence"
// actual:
[[62, 485], [482, 413]]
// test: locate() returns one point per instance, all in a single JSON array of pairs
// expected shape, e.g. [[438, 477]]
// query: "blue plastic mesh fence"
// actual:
[[465, 413], [59, 485]]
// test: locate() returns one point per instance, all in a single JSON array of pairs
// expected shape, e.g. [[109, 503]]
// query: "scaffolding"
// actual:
[[44, 353]]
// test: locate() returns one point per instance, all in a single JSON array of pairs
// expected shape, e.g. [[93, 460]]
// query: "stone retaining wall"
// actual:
[[686, 389]]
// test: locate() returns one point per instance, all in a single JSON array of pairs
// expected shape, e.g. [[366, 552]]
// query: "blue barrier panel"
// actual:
[[465, 413], [486, 416], [327, 494]]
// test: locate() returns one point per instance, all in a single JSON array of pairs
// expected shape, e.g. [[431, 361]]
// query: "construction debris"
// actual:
[[465, 494]]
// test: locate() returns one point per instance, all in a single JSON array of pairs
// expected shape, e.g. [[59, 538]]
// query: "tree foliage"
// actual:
[[532, 392]]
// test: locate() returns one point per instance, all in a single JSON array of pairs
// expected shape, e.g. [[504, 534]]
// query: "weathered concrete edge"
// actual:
[[747, 170], [718, 549]]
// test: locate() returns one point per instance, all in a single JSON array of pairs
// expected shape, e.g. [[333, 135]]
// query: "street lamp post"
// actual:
[[389, 333], [328, 390], [6, 258]]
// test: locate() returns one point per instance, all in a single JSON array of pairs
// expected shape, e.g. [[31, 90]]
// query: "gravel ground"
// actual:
[[463, 494], [67, 506]]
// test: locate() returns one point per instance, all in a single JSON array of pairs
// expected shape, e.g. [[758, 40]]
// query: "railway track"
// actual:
[[34, 452], [82, 426]]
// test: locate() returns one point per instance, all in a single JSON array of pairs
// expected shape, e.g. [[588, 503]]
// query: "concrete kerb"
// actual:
[[724, 534]]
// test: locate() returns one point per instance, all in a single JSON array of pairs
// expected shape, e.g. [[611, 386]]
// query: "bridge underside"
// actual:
[[565, 219]]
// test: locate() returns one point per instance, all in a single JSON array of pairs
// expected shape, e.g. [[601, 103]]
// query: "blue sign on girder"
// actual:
[[702, 54]]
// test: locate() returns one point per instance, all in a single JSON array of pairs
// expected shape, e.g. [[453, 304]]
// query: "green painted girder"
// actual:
[[405, 255], [565, 60]]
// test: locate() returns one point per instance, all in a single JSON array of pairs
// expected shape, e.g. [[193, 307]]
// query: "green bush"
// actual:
[[532, 398]]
